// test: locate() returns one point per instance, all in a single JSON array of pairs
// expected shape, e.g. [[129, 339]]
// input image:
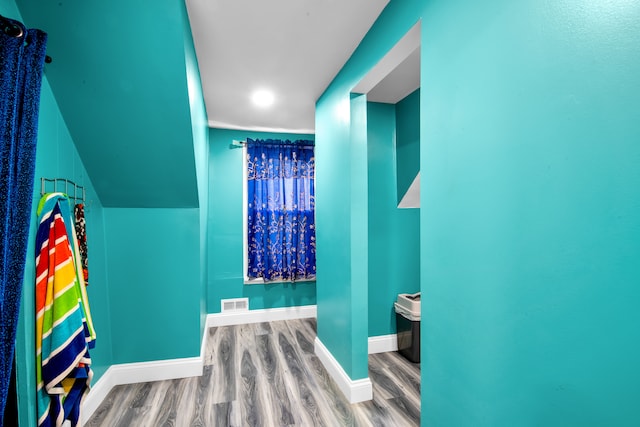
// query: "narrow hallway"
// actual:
[[266, 374]]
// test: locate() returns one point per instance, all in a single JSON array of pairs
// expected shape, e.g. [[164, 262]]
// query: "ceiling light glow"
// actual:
[[262, 98]]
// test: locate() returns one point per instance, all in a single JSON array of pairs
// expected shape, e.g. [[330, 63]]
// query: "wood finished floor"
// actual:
[[266, 374]]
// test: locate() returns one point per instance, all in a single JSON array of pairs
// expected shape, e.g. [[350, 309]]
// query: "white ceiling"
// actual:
[[292, 47], [400, 82], [397, 74]]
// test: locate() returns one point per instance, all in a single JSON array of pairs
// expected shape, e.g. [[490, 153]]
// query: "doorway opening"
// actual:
[[392, 93]]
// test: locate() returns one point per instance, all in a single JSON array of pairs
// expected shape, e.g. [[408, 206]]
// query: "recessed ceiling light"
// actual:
[[262, 98]]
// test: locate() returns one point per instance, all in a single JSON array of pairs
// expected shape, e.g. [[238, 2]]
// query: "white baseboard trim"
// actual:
[[96, 395], [129, 373], [383, 343], [205, 340], [262, 315], [160, 370], [355, 391]]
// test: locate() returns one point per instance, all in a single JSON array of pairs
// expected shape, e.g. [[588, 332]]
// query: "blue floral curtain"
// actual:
[[22, 54], [281, 210]]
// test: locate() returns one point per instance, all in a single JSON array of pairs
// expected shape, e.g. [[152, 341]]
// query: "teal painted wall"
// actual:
[[157, 257], [120, 80], [226, 277], [529, 226], [531, 236], [342, 331], [407, 142], [333, 220], [358, 293], [154, 277], [200, 130], [57, 157], [394, 234]]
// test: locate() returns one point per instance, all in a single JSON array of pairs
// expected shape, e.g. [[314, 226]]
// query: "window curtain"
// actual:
[[281, 210], [22, 54]]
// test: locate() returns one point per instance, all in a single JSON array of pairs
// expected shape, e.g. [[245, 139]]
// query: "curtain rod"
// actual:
[[13, 30], [239, 144]]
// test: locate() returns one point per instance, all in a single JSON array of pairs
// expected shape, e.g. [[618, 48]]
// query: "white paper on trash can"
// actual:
[[410, 315]]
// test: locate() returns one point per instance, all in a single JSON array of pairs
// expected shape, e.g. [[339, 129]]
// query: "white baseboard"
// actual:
[[129, 373], [262, 315], [96, 395], [160, 370], [355, 391], [383, 343]]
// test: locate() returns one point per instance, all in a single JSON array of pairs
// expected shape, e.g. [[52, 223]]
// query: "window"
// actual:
[[279, 211]]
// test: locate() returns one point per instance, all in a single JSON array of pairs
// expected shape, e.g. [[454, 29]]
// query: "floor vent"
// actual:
[[235, 304]]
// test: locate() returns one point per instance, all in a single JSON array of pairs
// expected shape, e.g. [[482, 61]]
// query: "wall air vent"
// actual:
[[235, 304]]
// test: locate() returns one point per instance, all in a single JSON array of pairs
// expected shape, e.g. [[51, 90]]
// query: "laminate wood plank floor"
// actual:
[[267, 375]]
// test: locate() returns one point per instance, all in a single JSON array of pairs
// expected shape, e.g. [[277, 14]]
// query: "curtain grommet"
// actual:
[[13, 30]]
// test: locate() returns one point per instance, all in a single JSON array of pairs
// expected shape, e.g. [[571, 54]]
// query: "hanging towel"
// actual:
[[64, 330], [47, 203], [81, 232]]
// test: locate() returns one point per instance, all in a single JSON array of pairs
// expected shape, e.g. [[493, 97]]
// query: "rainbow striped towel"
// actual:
[[64, 330]]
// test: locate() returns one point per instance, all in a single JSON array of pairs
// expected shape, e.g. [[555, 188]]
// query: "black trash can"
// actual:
[[408, 333]]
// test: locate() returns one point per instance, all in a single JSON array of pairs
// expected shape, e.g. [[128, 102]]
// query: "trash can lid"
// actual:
[[407, 314], [410, 302]]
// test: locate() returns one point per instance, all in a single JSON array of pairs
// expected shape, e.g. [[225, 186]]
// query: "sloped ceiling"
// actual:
[[118, 75]]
